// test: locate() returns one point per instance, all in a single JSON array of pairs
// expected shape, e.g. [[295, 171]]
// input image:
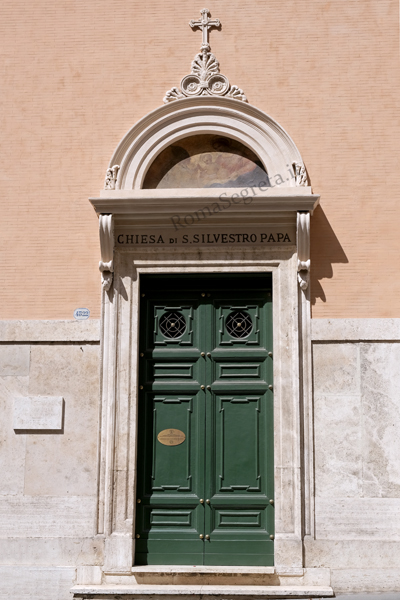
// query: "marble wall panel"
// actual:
[[36, 583], [47, 516], [12, 445], [355, 330], [358, 518], [14, 360], [336, 368], [51, 551], [352, 554], [367, 580], [67, 330], [357, 445], [338, 443], [65, 464], [380, 389]]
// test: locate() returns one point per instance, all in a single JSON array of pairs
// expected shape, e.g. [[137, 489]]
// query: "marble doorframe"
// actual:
[[124, 202], [120, 326]]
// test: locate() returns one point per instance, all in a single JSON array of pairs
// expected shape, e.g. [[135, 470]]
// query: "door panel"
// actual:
[[239, 465], [237, 447], [172, 467], [218, 482], [170, 477]]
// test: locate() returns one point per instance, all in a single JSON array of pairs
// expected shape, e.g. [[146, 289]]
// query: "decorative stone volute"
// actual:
[[106, 265], [111, 178], [205, 78], [303, 249], [300, 174]]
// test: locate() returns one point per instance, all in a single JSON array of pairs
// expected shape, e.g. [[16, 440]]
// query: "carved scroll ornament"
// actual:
[[111, 178], [205, 78], [303, 249], [106, 265], [300, 174]]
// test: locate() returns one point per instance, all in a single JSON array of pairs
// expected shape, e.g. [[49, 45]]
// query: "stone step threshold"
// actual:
[[205, 569], [189, 592]]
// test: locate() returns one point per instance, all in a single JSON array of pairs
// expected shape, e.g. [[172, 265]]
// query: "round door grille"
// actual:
[[172, 324], [239, 324]]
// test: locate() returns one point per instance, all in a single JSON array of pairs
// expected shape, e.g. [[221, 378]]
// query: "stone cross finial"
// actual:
[[205, 24], [205, 78]]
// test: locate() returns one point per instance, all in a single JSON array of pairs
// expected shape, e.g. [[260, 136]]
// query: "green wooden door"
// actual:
[[205, 444]]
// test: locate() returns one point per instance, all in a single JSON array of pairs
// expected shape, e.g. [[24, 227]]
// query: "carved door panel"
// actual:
[[205, 448]]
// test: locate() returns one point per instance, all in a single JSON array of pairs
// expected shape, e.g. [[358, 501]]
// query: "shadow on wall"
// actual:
[[325, 250]]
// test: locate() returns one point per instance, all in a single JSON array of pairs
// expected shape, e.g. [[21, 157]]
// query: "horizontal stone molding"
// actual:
[[50, 331], [354, 330], [157, 206]]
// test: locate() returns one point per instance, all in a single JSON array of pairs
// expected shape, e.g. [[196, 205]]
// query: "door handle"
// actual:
[[209, 387]]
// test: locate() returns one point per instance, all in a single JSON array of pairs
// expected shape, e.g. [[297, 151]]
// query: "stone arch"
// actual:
[[203, 115]]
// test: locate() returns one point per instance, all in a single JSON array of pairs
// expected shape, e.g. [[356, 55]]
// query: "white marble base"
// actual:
[[36, 583], [366, 580]]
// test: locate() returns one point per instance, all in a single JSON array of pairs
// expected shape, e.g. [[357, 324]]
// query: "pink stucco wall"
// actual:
[[77, 75]]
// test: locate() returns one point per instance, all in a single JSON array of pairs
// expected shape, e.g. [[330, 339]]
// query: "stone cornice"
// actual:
[[158, 205]]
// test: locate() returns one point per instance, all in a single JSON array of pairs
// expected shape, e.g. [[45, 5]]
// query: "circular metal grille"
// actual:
[[239, 324], [172, 324]]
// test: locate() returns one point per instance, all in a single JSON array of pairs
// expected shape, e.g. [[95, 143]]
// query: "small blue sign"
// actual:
[[81, 314]]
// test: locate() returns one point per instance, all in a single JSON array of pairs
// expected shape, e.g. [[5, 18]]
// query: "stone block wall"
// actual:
[[48, 496], [357, 448]]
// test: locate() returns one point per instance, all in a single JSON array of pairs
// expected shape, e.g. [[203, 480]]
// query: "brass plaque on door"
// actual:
[[171, 437]]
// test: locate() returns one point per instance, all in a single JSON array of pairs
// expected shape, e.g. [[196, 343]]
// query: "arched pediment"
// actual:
[[127, 201], [226, 117]]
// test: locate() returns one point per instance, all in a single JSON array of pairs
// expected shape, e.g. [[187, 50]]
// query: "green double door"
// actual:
[[205, 444]]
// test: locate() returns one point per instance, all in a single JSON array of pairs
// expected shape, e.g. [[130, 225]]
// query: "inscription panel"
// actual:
[[38, 413], [192, 236]]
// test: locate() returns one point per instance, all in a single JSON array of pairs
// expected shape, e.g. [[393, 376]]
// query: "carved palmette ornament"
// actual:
[[205, 78]]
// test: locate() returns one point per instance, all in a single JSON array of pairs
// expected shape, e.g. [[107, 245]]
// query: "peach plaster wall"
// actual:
[[77, 75]]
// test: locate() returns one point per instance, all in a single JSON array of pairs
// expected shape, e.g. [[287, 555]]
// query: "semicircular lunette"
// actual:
[[205, 161]]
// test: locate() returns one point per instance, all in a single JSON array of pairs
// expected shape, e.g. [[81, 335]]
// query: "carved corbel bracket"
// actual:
[[303, 249], [106, 266]]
